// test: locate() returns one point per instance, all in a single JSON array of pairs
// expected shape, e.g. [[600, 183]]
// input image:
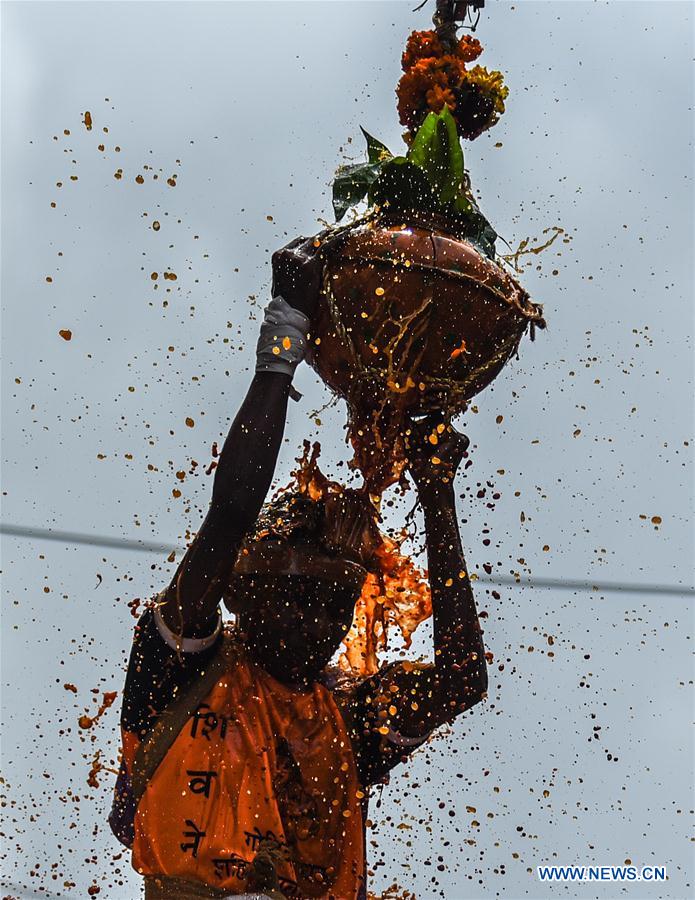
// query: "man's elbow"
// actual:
[[481, 683], [468, 689], [476, 687]]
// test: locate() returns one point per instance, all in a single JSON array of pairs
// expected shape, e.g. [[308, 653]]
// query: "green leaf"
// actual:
[[471, 223], [403, 185], [376, 151], [463, 205], [351, 185], [429, 179], [436, 149]]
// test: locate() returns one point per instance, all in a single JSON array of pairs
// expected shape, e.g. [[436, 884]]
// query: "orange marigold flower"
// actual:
[[420, 45], [438, 97], [411, 91], [409, 104], [469, 48], [433, 68], [435, 76], [453, 68], [428, 84]]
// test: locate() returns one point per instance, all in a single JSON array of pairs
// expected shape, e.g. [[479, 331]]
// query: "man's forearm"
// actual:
[[247, 462], [242, 478], [459, 649]]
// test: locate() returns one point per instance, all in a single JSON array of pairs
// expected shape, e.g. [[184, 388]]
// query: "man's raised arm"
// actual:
[[406, 702], [460, 667], [247, 462]]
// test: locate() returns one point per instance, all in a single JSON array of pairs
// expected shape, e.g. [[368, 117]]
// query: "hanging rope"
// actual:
[[449, 14]]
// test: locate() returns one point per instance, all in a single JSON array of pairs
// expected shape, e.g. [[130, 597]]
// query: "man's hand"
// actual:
[[297, 271], [435, 450]]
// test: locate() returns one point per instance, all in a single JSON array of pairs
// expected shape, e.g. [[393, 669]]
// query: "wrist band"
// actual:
[[182, 644], [282, 342]]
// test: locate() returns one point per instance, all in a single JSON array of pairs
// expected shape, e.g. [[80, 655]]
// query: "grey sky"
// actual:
[[251, 105]]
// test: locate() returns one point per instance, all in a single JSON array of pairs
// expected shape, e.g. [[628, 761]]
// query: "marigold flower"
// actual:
[[469, 48], [435, 75], [420, 45], [428, 84], [437, 97], [490, 83]]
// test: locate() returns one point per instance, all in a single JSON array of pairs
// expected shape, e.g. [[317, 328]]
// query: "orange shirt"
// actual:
[[258, 759]]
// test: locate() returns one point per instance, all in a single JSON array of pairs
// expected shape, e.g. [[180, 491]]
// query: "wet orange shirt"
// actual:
[[258, 759]]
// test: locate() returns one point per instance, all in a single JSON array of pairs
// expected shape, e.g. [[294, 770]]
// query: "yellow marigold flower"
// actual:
[[490, 83]]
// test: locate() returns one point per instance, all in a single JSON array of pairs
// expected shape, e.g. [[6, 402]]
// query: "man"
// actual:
[[243, 767]]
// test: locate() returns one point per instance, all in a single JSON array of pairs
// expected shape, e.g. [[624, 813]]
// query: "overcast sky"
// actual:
[[251, 106]]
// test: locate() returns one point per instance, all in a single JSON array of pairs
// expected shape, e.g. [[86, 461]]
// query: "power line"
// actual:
[[563, 584], [25, 892], [94, 540]]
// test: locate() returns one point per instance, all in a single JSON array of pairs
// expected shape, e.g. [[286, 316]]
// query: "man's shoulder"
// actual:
[[158, 670], [347, 686], [340, 682], [363, 700]]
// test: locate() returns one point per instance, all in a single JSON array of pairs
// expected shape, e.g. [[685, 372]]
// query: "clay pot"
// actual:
[[412, 320]]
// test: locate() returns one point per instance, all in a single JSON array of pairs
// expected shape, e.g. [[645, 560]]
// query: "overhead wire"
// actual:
[[146, 546]]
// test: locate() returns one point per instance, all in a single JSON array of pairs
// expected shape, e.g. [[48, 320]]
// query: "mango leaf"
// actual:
[[376, 151], [485, 239], [471, 224], [482, 234], [402, 185], [463, 205], [436, 149], [429, 178], [351, 185]]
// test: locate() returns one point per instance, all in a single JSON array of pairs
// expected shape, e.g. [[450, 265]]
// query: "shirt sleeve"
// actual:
[[182, 644], [160, 666]]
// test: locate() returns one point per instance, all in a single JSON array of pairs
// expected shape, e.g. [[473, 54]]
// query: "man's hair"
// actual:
[[340, 525]]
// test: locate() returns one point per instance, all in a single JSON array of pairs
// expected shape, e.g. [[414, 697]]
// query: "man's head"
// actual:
[[300, 572], [293, 624], [294, 604]]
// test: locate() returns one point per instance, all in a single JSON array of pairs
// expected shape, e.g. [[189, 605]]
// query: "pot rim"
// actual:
[[517, 299]]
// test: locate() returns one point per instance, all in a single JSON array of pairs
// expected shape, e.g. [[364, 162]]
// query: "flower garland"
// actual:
[[436, 75]]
